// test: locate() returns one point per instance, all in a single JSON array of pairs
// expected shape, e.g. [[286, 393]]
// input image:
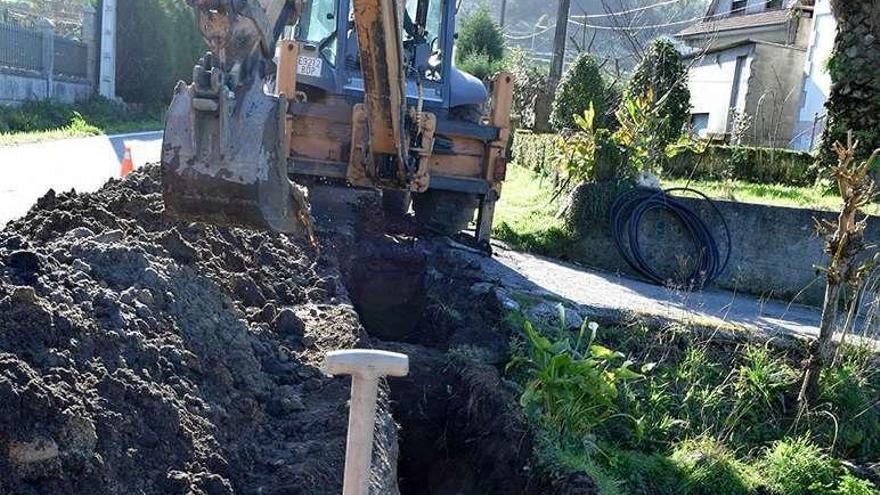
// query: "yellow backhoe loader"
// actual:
[[363, 92]]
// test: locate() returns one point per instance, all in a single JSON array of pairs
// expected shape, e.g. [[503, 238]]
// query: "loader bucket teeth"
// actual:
[[224, 162]]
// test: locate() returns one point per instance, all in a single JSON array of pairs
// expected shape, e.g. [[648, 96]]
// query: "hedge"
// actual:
[[750, 164]]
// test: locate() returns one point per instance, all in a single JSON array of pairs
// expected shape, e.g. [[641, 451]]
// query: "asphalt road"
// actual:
[[28, 171]]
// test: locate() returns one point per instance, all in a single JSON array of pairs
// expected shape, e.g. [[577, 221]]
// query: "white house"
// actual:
[[817, 80], [751, 76]]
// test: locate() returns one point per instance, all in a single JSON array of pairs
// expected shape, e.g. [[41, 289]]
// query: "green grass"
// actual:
[[38, 121], [526, 216], [768, 194], [708, 418]]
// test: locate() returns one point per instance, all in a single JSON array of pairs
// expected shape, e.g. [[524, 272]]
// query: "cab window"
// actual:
[[318, 26]]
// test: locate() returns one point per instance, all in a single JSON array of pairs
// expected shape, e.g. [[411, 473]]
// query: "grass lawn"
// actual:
[[526, 216], [768, 194], [49, 120]]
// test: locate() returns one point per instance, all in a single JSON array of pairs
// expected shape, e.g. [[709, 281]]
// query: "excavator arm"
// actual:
[[224, 156]]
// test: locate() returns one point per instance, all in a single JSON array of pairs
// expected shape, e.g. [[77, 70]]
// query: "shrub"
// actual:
[[530, 88], [796, 466], [160, 47], [663, 73], [479, 35], [581, 87], [708, 468], [746, 163]]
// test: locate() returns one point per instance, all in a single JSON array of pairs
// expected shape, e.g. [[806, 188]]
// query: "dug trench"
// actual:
[[462, 430], [142, 355]]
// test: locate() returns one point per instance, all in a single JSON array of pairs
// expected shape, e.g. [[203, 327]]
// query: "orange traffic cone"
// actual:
[[127, 164]]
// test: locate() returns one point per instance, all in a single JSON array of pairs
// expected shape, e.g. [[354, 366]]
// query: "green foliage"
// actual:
[[571, 384], [761, 385], [850, 392], [797, 466], [480, 41], [850, 485], [754, 165], [480, 65], [751, 164], [662, 76], [708, 468], [580, 155], [580, 89], [159, 46], [645, 474], [642, 133], [82, 119], [530, 88]]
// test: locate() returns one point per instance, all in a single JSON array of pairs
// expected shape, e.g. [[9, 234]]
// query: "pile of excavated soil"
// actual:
[[143, 356]]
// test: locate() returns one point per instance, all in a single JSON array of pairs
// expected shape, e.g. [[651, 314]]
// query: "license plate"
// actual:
[[309, 66]]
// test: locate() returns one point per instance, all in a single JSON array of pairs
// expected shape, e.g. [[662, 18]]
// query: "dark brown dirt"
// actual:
[[142, 356]]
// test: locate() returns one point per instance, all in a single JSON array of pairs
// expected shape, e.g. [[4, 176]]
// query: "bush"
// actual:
[[750, 164], [160, 47], [479, 38], [530, 88], [581, 87], [796, 466], [663, 73], [850, 485]]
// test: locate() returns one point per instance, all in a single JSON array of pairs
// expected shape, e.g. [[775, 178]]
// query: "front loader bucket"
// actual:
[[224, 162]]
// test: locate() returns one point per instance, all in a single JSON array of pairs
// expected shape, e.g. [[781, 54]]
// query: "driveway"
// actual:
[[28, 171]]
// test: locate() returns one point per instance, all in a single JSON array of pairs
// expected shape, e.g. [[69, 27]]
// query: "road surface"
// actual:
[[28, 171]]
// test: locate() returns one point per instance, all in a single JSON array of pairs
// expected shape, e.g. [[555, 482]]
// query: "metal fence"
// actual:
[[71, 58], [21, 48]]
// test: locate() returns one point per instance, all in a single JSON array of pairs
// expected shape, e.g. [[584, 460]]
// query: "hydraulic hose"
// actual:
[[627, 214]]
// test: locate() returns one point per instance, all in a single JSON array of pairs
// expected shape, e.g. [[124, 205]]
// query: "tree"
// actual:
[[663, 73], [581, 88], [480, 47], [844, 244], [158, 44], [854, 103]]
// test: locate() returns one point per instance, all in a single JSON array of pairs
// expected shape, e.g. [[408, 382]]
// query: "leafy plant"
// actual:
[[850, 485], [581, 89], [572, 385], [480, 65]]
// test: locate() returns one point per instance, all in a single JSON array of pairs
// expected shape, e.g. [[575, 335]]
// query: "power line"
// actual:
[[625, 12]]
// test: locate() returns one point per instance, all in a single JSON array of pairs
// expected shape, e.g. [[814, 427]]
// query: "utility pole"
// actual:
[[559, 41], [503, 13], [107, 72]]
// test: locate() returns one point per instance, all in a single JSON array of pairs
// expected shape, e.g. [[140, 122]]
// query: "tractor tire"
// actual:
[[395, 203], [445, 212]]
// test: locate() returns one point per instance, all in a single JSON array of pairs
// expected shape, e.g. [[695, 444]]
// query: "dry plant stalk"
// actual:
[[844, 242]]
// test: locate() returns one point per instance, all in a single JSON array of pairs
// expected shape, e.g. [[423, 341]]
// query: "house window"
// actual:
[[774, 4], [700, 123], [739, 6]]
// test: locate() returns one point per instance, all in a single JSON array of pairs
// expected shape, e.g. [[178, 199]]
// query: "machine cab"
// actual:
[[329, 59]]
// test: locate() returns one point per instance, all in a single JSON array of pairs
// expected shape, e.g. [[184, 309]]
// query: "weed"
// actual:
[[797, 466], [708, 468], [850, 485]]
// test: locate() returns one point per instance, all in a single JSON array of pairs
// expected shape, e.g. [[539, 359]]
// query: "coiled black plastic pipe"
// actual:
[[627, 213]]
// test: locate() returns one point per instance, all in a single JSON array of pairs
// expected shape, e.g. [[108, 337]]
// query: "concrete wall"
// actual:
[[711, 83], [817, 80], [775, 249], [16, 88], [774, 94]]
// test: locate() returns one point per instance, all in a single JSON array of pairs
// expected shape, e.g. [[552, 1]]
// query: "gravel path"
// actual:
[[604, 293]]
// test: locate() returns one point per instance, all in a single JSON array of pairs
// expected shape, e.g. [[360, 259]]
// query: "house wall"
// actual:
[[774, 94], [711, 81], [817, 81]]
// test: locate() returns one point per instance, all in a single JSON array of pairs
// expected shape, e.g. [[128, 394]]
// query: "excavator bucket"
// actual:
[[224, 159]]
